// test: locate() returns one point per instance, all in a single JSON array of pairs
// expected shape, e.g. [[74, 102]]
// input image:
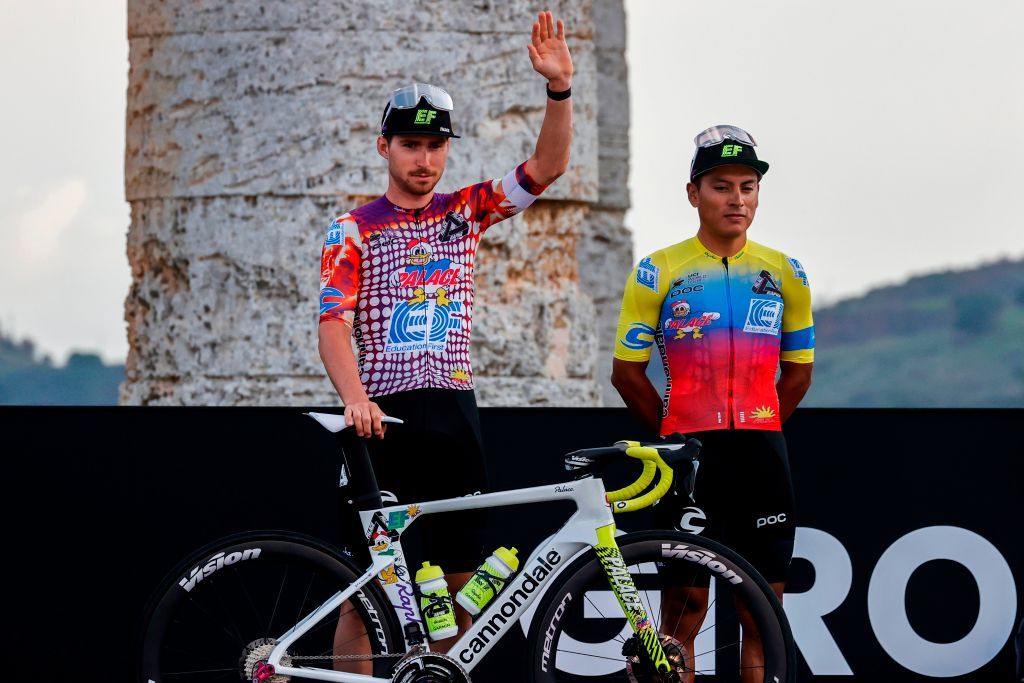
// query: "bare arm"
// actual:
[[793, 383], [550, 57], [339, 361], [630, 379]]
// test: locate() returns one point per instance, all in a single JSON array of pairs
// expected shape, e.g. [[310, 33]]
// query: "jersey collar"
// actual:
[[697, 247]]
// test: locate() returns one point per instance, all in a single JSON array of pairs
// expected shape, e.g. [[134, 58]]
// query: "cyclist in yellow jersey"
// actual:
[[728, 316]]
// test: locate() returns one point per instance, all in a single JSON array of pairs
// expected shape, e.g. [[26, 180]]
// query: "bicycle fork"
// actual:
[[625, 591]]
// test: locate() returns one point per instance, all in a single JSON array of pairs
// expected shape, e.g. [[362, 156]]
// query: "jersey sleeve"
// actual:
[[493, 201], [339, 270], [797, 323], [642, 300]]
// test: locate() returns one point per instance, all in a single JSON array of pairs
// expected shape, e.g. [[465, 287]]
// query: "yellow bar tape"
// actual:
[[627, 499]]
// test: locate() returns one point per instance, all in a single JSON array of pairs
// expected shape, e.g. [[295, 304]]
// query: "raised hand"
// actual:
[[549, 52]]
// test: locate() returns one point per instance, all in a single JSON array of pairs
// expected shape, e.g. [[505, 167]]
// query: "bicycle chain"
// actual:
[[334, 657]]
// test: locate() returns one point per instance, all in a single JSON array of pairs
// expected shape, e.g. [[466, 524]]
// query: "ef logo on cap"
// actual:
[[424, 116], [731, 150]]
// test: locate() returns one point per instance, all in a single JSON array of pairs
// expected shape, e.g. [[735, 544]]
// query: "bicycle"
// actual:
[[268, 606]]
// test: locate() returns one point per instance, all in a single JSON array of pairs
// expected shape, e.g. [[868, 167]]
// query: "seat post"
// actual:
[[358, 490], [362, 489]]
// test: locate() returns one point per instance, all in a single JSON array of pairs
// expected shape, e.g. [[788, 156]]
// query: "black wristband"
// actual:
[[558, 96]]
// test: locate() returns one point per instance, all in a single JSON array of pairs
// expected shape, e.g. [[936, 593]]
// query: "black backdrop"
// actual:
[[100, 503]]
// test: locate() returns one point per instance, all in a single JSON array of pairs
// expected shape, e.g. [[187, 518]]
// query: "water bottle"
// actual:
[[436, 602], [488, 580]]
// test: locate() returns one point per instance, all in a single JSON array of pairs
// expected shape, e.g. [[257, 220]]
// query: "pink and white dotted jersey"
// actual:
[[404, 280]]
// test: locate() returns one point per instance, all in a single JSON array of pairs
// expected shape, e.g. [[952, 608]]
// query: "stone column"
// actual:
[[605, 252], [250, 124]]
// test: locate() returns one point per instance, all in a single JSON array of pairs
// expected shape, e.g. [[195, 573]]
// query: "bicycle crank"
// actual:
[[429, 667]]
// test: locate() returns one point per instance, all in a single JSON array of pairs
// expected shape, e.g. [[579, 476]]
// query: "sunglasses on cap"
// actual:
[[718, 134], [711, 152], [409, 96]]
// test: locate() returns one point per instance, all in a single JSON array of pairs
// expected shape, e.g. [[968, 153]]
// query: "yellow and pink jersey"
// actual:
[[722, 326], [403, 279]]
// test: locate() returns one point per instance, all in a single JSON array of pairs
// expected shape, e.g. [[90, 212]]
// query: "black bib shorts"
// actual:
[[437, 453], [743, 498]]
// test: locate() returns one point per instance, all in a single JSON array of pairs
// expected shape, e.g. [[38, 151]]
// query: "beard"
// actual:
[[415, 186]]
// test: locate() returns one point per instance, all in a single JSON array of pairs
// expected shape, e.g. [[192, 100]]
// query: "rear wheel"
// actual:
[[696, 593], [217, 616]]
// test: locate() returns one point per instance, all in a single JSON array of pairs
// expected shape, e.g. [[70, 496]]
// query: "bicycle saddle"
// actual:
[[335, 423]]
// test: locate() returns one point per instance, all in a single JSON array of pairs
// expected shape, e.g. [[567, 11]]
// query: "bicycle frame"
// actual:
[[591, 525]]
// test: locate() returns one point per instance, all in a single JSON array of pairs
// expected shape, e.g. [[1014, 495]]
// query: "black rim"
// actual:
[[206, 633], [588, 635]]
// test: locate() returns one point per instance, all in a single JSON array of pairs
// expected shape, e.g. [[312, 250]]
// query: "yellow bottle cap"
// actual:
[[428, 572], [508, 557]]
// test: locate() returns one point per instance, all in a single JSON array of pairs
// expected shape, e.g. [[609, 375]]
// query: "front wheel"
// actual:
[[715, 614], [217, 616]]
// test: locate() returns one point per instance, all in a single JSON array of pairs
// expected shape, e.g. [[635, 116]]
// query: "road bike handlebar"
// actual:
[[629, 498]]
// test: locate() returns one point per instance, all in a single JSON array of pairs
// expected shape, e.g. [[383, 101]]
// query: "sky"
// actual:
[[63, 218], [893, 129]]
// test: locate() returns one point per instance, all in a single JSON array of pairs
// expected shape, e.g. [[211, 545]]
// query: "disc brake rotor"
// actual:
[[640, 669]]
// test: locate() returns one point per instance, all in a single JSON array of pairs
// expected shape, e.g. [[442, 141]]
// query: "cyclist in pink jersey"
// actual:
[[397, 283], [397, 273]]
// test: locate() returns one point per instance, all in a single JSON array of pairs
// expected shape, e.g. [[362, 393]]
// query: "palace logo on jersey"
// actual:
[[453, 227], [440, 273], [764, 283], [424, 271], [683, 326]]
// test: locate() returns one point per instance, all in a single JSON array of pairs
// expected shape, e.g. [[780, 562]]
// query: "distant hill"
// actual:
[[949, 339], [26, 379]]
